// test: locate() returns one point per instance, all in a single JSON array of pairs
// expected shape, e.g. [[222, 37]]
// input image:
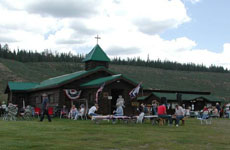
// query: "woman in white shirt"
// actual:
[[179, 112], [92, 110]]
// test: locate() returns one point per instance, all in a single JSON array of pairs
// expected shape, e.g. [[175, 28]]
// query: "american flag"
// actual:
[[98, 91], [135, 91]]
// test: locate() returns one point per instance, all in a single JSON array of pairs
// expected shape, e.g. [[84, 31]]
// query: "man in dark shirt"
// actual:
[[45, 104]]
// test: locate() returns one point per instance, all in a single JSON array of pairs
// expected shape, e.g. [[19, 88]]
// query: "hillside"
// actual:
[[217, 83]]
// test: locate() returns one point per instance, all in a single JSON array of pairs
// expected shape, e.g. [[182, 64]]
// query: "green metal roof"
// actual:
[[142, 98], [188, 97], [96, 54], [100, 81], [58, 80], [212, 98], [21, 86], [169, 96]]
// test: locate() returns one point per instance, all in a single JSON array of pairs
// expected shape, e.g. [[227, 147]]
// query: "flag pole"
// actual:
[[142, 89], [142, 92]]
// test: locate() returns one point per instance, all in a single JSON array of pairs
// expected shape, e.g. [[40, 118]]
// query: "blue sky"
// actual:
[[209, 25]]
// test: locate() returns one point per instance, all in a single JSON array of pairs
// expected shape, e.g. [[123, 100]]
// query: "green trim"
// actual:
[[96, 54]]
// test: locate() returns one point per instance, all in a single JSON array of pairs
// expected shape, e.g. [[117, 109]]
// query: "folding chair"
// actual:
[[51, 111], [63, 114], [37, 111], [206, 118]]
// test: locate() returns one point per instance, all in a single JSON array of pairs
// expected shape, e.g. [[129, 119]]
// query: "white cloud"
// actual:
[[194, 1], [128, 28]]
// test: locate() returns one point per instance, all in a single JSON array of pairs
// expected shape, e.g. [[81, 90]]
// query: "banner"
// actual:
[[98, 91], [72, 93]]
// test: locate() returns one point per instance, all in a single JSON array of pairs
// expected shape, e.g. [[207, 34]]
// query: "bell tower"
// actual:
[[96, 57]]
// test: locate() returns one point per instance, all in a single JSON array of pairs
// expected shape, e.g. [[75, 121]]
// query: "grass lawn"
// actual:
[[68, 135]]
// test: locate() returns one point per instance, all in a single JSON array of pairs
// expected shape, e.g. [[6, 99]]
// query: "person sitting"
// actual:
[[73, 112], [205, 113], [215, 112], [161, 111], [154, 107], [64, 111], [92, 111], [119, 111], [146, 111], [81, 112], [179, 113], [140, 117], [120, 104], [187, 111]]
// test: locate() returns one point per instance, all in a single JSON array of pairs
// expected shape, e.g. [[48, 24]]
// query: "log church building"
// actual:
[[88, 81]]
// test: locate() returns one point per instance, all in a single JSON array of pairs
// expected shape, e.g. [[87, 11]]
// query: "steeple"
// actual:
[[96, 57]]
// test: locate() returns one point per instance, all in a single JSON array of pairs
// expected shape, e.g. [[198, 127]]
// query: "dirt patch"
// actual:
[[8, 75], [3, 68], [144, 146]]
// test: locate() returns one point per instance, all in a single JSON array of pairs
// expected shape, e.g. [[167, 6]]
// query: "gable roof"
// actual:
[[52, 82], [96, 54]]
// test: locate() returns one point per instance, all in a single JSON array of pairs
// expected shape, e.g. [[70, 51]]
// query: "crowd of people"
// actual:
[[159, 109], [180, 112]]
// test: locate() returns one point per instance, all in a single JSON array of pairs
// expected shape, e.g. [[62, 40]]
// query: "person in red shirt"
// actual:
[[161, 111], [205, 113]]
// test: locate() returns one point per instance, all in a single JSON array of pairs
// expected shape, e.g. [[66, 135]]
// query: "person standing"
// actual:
[[218, 108], [45, 104]]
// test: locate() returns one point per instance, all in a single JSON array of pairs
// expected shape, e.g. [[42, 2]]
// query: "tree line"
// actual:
[[34, 56], [169, 65], [49, 56]]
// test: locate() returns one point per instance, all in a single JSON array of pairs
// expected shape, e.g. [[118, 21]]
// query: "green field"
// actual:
[[216, 83], [85, 135]]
